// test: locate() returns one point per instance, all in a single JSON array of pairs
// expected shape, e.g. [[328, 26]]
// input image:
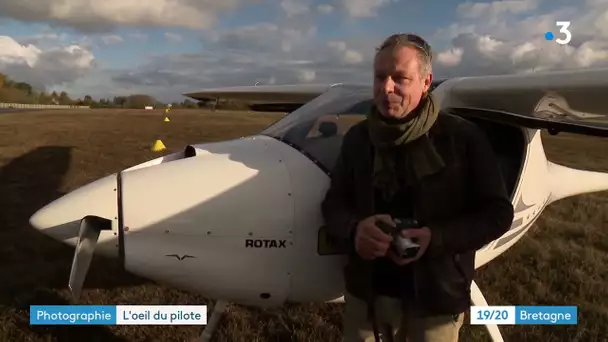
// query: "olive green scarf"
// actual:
[[402, 147]]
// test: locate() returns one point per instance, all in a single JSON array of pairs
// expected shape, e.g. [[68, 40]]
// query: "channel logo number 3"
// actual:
[[563, 25]]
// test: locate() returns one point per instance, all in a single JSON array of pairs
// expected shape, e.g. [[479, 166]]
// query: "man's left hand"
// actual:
[[421, 236]]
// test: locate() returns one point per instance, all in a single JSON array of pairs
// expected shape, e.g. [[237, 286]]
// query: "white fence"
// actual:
[[40, 106]]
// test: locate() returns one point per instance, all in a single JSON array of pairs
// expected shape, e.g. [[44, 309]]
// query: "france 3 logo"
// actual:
[[564, 32]]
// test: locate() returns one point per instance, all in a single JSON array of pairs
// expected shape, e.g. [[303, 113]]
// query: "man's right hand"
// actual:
[[370, 241]]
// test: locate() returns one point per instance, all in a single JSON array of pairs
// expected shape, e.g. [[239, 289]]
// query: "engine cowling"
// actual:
[[219, 222]]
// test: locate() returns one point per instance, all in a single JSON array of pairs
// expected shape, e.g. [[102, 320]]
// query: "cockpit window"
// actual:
[[318, 127]]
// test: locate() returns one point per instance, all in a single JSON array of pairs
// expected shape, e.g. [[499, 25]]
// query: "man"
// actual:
[[408, 161]]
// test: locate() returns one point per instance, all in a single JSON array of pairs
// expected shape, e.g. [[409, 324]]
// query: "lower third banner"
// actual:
[[529, 315], [118, 314]]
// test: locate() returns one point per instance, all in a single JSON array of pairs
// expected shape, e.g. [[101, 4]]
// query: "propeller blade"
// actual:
[[90, 228]]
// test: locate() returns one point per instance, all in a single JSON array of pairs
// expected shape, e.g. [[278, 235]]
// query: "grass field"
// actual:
[[46, 154]]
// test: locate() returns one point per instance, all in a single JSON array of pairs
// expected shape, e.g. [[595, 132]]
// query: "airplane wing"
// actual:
[[282, 98], [568, 101], [268, 98], [596, 128], [295, 93]]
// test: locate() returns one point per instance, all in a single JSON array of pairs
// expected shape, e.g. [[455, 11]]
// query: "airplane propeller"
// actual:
[[90, 228]]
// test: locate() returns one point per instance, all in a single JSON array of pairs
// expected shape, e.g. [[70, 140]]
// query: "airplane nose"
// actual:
[[61, 219]]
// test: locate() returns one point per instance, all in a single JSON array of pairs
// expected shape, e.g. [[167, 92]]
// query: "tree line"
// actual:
[[12, 91]]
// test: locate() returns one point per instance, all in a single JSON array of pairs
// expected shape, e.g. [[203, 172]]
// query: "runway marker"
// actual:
[[158, 146]]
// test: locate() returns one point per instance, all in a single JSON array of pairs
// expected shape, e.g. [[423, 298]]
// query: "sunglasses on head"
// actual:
[[412, 39]]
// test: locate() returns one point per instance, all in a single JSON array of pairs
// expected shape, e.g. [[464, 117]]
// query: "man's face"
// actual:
[[398, 85]]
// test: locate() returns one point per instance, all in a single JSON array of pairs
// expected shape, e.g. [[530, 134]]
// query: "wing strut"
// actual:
[[218, 310], [479, 300]]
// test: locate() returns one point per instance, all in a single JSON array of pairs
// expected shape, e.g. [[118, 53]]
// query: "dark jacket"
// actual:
[[465, 205]]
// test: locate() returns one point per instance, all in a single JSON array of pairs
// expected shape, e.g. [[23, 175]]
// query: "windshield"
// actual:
[[317, 128]]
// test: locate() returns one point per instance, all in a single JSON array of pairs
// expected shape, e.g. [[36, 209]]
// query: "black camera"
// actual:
[[403, 247]]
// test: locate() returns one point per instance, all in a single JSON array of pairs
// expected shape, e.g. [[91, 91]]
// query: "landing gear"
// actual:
[[479, 300], [214, 320]]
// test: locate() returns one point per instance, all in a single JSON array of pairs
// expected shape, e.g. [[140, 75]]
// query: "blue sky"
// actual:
[[126, 46]]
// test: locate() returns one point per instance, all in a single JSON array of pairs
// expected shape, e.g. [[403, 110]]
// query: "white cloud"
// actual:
[[173, 37], [263, 37], [138, 36], [92, 15], [362, 8], [344, 54], [591, 53], [112, 39], [43, 68], [325, 8], [294, 7], [493, 38], [12, 52], [43, 38], [452, 31], [306, 75], [451, 57], [352, 57], [493, 9], [253, 54], [488, 38]]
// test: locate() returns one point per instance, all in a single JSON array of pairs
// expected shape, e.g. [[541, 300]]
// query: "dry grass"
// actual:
[[46, 154]]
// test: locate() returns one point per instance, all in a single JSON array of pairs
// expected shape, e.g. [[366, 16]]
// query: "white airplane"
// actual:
[[239, 221]]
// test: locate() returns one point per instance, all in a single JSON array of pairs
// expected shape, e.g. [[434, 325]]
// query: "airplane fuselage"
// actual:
[[239, 220]]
